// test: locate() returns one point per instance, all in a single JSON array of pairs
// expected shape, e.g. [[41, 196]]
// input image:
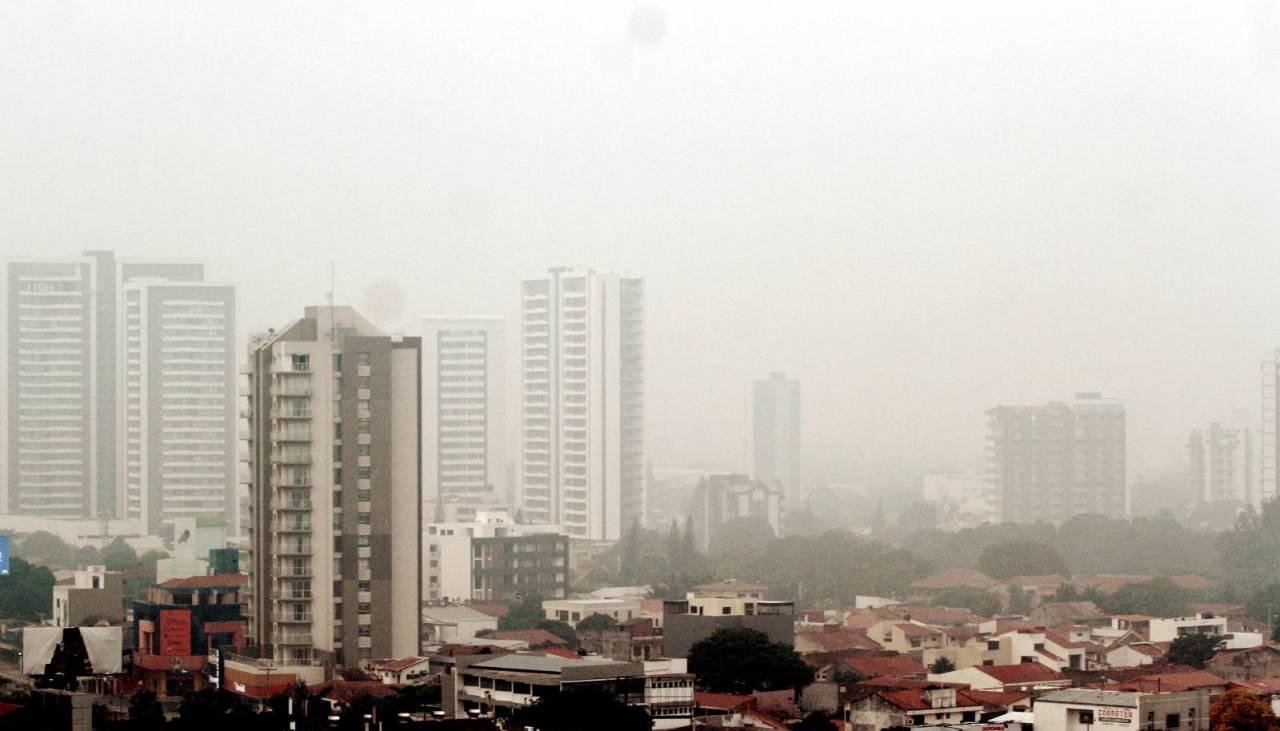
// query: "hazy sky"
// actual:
[[919, 209]]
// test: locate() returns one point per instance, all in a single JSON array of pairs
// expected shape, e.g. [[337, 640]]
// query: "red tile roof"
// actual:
[[212, 581], [535, 637], [1027, 672], [1174, 682], [836, 641], [722, 701], [562, 652], [350, 691], [395, 666], [914, 699], [872, 666], [1001, 698], [914, 630]]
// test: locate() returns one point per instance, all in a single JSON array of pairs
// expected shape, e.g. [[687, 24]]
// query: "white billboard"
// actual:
[[103, 647]]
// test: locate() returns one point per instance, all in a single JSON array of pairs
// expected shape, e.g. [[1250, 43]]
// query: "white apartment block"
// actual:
[[582, 338], [62, 378], [335, 475], [1222, 463], [179, 402], [464, 408], [1269, 471]]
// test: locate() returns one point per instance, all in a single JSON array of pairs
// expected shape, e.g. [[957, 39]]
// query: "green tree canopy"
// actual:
[[597, 622], [1160, 597], [942, 665], [118, 555], [1021, 558], [25, 593], [559, 629], [524, 614], [740, 660], [1193, 650], [981, 603]]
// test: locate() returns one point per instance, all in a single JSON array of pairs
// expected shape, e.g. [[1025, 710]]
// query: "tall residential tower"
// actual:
[[775, 443], [582, 337], [1058, 460], [464, 409], [335, 475]]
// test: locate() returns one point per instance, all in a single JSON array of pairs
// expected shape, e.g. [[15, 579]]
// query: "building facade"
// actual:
[[178, 433], [582, 338], [1062, 459], [1269, 469], [493, 559], [1222, 463], [775, 430], [79, 381], [335, 473], [719, 499], [464, 409]]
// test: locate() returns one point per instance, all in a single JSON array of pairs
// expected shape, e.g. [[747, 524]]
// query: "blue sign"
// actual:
[[4, 555]]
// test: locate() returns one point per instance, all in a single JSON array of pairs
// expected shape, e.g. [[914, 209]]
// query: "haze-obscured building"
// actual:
[[582, 338], [1222, 463], [720, 499], [775, 443], [1055, 461]]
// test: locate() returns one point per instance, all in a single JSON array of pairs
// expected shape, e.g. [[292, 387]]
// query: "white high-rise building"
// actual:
[[178, 434], [464, 409], [1222, 463], [775, 444], [62, 379], [335, 484], [582, 337], [1269, 471]]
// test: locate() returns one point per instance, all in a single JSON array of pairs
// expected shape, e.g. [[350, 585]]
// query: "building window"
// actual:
[[363, 450], [363, 518], [1173, 720], [362, 359], [363, 472], [337, 475]]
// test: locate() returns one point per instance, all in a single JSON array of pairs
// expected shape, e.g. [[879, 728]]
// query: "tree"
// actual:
[[1021, 558], [815, 722], [524, 614], [1193, 650], [1159, 597], [740, 660], [942, 665], [118, 555], [559, 629], [981, 603], [581, 709], [46, 549], [845, 675], [145, 711], [25, 591], [1264, 604], [1020, 600], [596, 622], [631, 559], [1241, 710]]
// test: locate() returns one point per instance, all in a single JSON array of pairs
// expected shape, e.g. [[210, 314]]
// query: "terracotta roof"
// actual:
[[212, 581], [722, 701], [350, 691], [955, 578], [929, 614], [395, 666], [871, 666], [535, 637], [562, 652], [836, 641], [1174, 682], [1027, 672], [1002, 698], [1262, 685], [1040, 580]]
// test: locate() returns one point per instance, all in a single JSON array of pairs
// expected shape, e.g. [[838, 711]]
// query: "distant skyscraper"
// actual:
[[335, 476], [179, 402], [775, 444], [61, 373], [1055, 461], [464, 408], [1222, 463], [583, 402], [1269, 471]]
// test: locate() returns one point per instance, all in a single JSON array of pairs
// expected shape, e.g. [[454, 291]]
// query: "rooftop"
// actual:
[[212, 581], [1084, 696]]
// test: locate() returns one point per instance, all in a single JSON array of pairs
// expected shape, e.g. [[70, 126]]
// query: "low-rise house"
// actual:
[[668, 693], [635, 640], [454, 623], [934, 705], [833, 638], [1081, 709], [534, 639], [402, 671], [724, 605], [1053, 614], [88, 597], [573, 611], [909, 637], [1133, 654], [1248, 664], [1176, 682], [1029, 676]]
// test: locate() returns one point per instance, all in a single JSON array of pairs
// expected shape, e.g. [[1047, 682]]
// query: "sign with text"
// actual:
[[4, 555], [175, 632], [1115, 715]]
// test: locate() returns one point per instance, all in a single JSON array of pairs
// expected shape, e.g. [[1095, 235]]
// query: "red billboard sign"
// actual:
[[175, 632]]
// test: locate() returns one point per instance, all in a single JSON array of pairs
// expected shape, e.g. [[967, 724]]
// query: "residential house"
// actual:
[[451, 624], [1248, 664], [833, 638], [1133, 654], [933, 705], [403, 671], [927, 589], [907, 638], [90, 596], [1175, 682], [634, 640], [573, 611], [710, 607], [1026, 676], [1053, 614], [885, 664]]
